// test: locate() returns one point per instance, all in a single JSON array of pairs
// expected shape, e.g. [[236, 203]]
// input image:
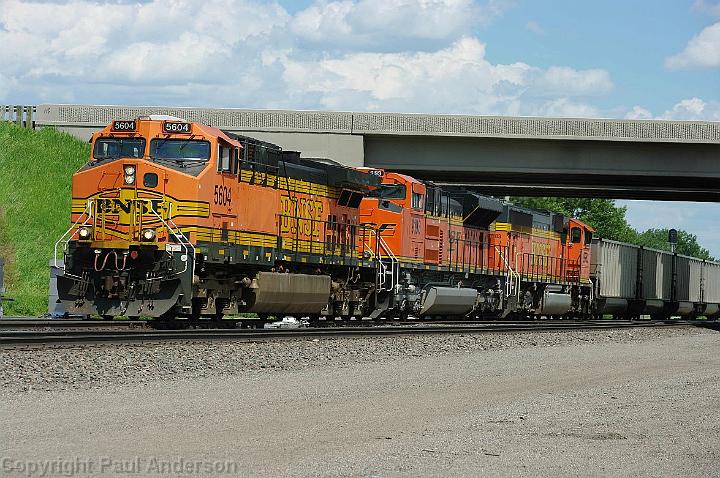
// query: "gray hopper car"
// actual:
[[630, 281]]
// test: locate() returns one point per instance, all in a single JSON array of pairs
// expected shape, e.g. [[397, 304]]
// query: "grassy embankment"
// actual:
[[35, 172]]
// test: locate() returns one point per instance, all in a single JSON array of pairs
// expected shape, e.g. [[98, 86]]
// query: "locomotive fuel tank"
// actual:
[[448, 301], [555, 302], [275, 292]]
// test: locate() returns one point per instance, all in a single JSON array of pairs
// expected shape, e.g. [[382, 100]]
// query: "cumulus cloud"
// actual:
[[5, 85], [702, 51], [694, 109], [690, 109], [567, 108], [456, 79], [639, 113], [248, 53], [568, 81], [391, 24]]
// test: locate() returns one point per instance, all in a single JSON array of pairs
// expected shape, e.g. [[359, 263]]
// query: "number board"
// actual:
[[124, 126], [175, 127]]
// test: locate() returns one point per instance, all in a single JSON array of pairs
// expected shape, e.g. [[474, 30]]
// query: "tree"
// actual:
[[603, 215], [687, 243]]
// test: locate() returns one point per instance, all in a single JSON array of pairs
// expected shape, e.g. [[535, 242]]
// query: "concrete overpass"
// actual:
[[635, 159]]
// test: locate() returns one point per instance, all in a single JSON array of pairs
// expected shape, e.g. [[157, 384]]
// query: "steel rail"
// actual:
[[13, 338], [62, 323], [26, 322]]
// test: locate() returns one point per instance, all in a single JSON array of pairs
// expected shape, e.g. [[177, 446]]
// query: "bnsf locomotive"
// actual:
[[175, 219]]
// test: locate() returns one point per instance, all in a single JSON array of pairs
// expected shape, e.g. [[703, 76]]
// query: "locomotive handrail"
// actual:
[[513, 283], [89, 216], [394, 266], [178, 235], [341, 240]]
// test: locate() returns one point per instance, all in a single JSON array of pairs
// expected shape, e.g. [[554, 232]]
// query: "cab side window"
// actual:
[[575, 235], [224, 158], [417, 200], [588, 237]]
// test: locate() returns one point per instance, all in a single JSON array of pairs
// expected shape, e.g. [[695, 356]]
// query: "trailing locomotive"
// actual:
[[177, 219]]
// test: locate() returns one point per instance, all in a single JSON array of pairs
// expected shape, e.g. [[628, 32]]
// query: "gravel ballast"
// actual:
[[87, 366], [602, 403]]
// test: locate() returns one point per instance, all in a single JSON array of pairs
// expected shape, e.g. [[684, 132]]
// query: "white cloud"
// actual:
[[391, 25], [694, 109], [702, 51], [83, 51], [566, 108], [249, 53], [5, 86], [564, 80], [457, 79], [690, 109], [639, 113]]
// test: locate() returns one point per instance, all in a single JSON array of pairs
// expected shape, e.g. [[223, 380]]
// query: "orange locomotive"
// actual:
[[455, 252], [177, 219]]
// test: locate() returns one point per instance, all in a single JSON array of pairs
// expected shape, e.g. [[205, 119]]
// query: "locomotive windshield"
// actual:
[[180, 150], [113, 148], [389, 191]]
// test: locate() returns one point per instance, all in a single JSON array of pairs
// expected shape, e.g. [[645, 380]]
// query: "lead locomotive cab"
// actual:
[[130, 250]]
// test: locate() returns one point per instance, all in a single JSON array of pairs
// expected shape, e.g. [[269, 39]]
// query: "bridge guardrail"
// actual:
[[22, 115]]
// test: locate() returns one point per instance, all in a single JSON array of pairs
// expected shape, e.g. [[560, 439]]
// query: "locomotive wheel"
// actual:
[[194, 317], [217, 318]]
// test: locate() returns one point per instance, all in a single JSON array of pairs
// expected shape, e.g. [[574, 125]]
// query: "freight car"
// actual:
[[632, 280], [172, 219]]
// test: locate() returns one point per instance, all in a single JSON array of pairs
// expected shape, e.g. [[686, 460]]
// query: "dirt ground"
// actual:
[[639, 408]]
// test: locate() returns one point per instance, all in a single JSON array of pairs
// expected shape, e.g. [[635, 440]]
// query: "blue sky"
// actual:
[[637, 59], [630, 39]]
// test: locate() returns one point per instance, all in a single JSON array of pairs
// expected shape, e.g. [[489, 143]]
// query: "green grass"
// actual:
[[36, 168]]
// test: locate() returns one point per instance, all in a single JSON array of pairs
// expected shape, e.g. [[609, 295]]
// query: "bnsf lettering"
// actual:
[[541, 249], [305, 221], [118, 206]]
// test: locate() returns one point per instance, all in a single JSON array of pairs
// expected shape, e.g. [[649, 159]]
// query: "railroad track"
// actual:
[[63, 323], [49, 337]]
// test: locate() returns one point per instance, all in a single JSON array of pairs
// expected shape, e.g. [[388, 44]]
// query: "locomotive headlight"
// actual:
[[129, 174], [148, 234], [84, 233]]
